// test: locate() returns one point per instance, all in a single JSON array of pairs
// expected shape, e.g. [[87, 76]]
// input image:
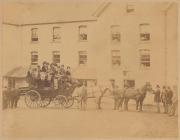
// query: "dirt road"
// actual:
[[106, 123]]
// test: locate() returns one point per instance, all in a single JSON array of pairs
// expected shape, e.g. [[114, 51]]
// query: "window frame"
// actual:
[[34, 61], [115, 33], [56, 39], [144, 36], [115, 58], [54, 57], [34, 35], [85, 59], [130, 9], [80, 34], [145, 58]]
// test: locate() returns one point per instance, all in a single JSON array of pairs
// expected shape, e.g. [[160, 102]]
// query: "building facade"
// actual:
[[129, 43]]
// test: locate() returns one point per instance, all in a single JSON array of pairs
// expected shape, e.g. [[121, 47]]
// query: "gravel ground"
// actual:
[[92, 123]]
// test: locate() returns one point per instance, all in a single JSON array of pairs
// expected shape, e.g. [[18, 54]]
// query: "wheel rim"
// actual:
[[60, 101], [45, 102], [70, 102], [32, 99]]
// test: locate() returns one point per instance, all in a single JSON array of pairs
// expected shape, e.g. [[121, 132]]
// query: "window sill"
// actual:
[[115, 43], [82, 65], [34, 63], [34, 42], [145, 68], [130, 13], [83, 40], [145, 42], [56, 41], [115, 67]]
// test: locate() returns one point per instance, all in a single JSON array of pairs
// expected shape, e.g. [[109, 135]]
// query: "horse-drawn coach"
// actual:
[[49, 84], [45, 85]]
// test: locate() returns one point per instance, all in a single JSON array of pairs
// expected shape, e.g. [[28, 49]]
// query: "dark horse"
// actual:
[[124, 95], [137, 94], [10, 98]]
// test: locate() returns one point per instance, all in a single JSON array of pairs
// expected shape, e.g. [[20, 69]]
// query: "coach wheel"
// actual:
[[60, 101], [45, 101], [32, 99], [70, 102]]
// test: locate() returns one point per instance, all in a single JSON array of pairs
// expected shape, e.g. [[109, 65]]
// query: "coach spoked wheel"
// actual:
[[70, 102], [45, 101], [60, 101], [32, 99]]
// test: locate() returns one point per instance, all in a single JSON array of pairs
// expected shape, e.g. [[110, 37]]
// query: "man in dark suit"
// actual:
[[169, 98], [157, 98], [164, 99]]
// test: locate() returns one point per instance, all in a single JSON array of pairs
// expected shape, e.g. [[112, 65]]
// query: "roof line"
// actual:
[[101, 9], [98, 8], [168, 6], [46, 23], [12, 24]]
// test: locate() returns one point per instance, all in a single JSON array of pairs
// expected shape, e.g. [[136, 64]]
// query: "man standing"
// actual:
[[164, 99], [157, 98], [62, 70], [84, 96], [169, 98], [174, 107]]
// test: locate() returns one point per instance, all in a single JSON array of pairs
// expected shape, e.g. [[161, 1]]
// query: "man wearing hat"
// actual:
[[44, 67], [164, 99], [169, 97], [157, 98]]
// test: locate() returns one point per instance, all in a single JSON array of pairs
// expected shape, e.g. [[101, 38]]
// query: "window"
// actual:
[[34, 35], [145, 58], [82, 33], [56, 33], [130, 8], [129, 83], [34, 57], [116, 58], [82, 58], [144, 32], [115, 33], [56, 57], [11, 83]]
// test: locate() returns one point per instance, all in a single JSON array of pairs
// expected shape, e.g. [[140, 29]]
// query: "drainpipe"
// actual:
[[165, 37], [165, 47]]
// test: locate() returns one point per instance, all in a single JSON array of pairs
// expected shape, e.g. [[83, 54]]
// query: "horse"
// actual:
[[117, 95], [96, 92], [11, 98], [80, 93], [137, 94]]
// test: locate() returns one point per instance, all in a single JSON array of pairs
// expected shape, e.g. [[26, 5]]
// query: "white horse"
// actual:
[[80, 93], [96, 92]]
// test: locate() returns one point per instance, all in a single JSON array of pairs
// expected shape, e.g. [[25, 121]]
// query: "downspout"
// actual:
[[165, 47], [165, 37]]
